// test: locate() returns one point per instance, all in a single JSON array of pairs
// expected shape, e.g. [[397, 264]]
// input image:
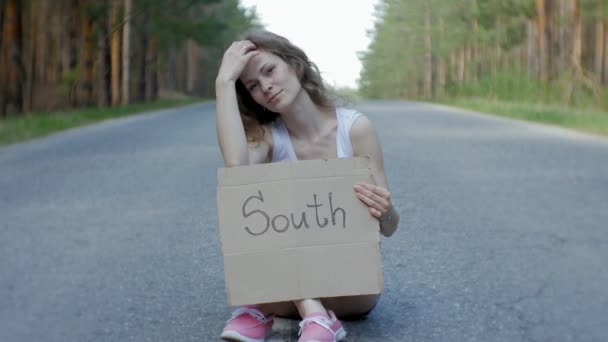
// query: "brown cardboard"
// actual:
[[337, 255]]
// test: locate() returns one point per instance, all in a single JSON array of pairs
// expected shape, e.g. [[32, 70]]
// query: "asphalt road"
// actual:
[[108, 232]]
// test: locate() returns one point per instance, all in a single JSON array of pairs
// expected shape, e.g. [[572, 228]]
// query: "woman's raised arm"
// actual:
[[230, 131]]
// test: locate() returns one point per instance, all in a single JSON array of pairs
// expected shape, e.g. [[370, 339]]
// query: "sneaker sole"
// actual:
[[236, 337]]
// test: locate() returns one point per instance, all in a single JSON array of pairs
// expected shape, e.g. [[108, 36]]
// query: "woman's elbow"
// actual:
[[387, 232], [390, 228]]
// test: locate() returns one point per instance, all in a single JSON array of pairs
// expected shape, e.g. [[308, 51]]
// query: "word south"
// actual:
[[318, 213]]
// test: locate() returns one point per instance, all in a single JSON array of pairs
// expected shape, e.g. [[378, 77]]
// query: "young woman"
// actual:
[[272, 106]]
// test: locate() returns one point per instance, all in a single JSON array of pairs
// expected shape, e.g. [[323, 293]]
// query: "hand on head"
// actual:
[[235, 59]]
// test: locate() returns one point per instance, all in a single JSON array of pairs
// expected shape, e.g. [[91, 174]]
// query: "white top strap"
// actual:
[[346, 119]]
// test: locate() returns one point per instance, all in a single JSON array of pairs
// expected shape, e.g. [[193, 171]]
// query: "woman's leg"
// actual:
[[347, 306], [309, 306]]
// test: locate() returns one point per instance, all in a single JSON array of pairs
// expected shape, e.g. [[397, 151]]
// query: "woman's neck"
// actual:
[[305, 120]]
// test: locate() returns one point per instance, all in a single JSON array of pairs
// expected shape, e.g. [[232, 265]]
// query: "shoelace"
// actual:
[[320, 320], [253, 312]]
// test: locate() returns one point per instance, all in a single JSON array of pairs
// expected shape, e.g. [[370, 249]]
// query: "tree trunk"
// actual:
[[192, 71], [453, 66], [16, 72], [468, 65], [442, 65], [561, 60], [576, 31], [3, 63], [520, 54], [551, 32], [542, 40], [152, 72], [442, 68], [497, 49], [474, 50], [115, 52], [54, 71], [65, 38], [73, 35], [71, 49], [1, 28], [531, 55], [87, 60], [428, 55], [605, 67], [181, 70], [143, 55], [600, 46], [40, 35], [461, 64], [104, 62], [126, 53], [30, 41], [172, 69]]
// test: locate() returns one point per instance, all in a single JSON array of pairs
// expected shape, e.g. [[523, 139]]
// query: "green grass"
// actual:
[[515, 94], [591, 119], [34, 125]]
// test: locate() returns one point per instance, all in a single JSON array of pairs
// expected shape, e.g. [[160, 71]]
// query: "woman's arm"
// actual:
[[365, 142], [230, 130]]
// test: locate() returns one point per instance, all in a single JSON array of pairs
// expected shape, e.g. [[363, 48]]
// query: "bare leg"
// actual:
[[309, 306], [342, 306]]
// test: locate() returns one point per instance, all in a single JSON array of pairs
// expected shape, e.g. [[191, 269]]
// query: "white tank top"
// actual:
[[283, 149]]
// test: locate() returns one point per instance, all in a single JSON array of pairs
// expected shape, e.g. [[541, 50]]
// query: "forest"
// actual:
[[546, 51], [62, 54]]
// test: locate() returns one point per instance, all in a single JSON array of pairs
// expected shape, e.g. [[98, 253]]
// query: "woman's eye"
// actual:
[[270, 70], [252, 86]]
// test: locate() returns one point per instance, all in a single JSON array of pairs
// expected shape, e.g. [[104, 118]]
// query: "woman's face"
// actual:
[[271, 82]]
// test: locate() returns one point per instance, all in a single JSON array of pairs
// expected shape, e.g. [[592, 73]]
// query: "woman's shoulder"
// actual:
[[347, 111], [349, 116], [360, 124]]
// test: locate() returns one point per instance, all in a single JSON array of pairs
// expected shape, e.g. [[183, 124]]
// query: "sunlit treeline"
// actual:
[[57, 54], [423, 49]]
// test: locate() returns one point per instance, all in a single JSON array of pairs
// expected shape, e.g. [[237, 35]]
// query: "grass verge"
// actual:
[[590, 120], [34, 125]]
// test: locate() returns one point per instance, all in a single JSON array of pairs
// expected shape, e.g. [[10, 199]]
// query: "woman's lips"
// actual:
[[274, 97]]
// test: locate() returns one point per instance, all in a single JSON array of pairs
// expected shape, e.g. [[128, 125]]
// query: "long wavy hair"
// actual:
[[254, 115]]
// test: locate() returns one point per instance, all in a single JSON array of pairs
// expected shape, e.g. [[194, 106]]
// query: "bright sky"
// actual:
[[331, 32]]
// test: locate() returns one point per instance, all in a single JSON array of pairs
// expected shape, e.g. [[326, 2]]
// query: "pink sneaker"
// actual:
[[247, 324], [318, 327]]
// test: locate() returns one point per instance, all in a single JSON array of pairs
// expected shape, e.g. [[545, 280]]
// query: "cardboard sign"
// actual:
[[297, 230]]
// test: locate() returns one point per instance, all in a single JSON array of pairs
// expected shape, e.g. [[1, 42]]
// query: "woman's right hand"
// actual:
[[235, 59]]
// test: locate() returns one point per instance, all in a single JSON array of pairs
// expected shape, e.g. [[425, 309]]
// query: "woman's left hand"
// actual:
[[377, 198]]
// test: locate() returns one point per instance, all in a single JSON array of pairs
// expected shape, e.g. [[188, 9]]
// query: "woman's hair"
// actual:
[[254, 115]]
